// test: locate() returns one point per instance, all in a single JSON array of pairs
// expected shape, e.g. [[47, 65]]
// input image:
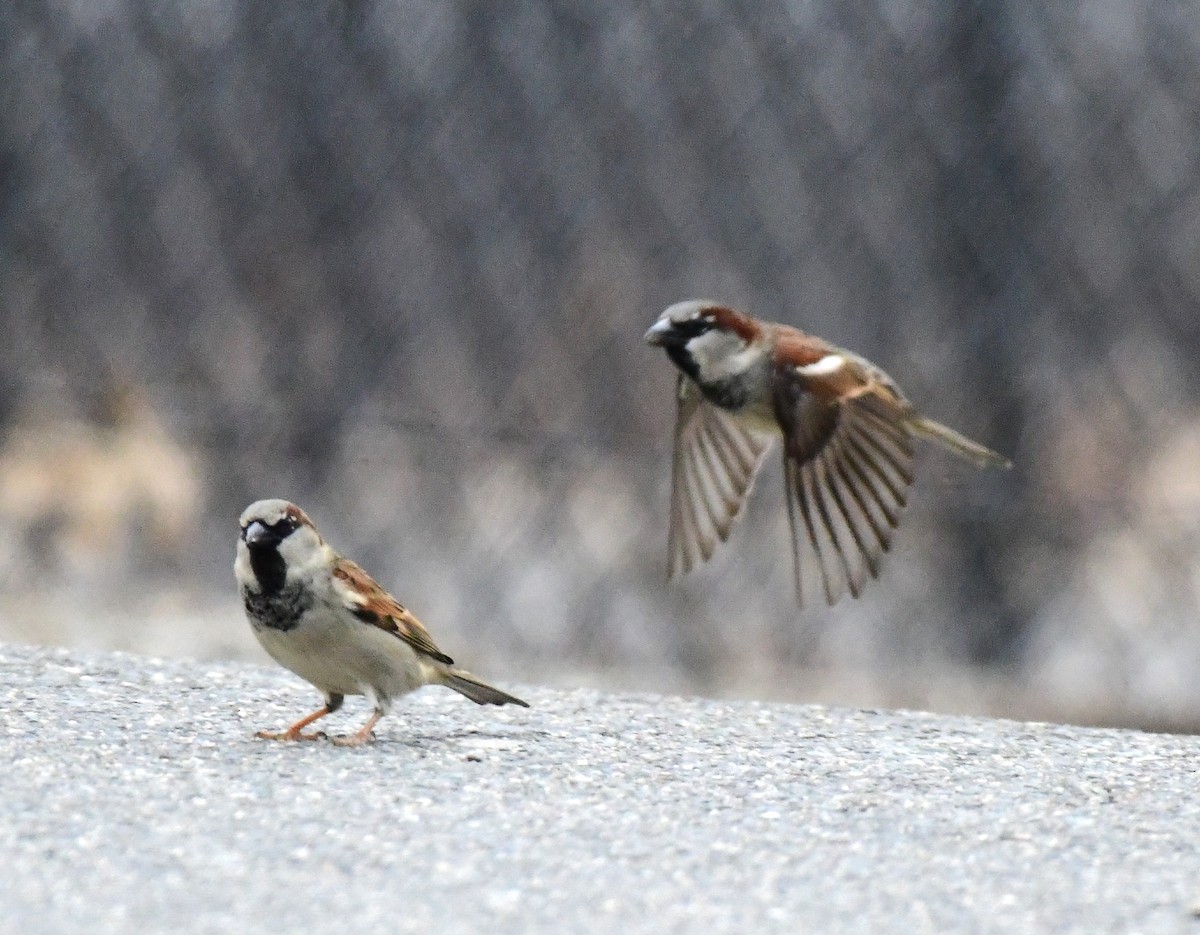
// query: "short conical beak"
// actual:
[[256, 534], [659, 332]]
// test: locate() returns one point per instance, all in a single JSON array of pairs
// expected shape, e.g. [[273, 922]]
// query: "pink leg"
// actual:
[[357, 740], [294, 732]]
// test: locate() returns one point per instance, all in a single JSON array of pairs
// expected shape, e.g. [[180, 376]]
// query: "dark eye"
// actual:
[[692, 328], [284, 527]]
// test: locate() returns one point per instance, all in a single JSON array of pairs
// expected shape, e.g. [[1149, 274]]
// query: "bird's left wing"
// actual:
[[712, 470]]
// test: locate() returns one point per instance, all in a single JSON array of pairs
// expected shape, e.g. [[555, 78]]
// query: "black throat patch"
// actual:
[[731, 393], [280, 610], [684, 361], [272, 604], [269, 568]]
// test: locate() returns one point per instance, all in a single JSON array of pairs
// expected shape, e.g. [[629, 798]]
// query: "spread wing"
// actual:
[[373, 605], [847, 467], [712, 471]]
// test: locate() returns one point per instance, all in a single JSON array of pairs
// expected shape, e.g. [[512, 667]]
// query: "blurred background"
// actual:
[[393, 260]]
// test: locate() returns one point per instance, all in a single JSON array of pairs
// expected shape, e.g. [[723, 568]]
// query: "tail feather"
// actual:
[[958, 444], [479, 692]]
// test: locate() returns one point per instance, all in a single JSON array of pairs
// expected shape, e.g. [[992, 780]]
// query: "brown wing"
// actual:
[[712, 471], [847, 467], [373, 605]]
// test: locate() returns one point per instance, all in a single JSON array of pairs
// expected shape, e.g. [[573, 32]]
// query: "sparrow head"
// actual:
[[277, 538], [708, 341]]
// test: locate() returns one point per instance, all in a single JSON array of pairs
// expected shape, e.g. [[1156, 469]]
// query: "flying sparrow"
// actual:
[[847, 431], [326, 619]]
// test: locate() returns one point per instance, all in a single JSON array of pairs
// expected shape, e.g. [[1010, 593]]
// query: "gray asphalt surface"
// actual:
[[136, 799]]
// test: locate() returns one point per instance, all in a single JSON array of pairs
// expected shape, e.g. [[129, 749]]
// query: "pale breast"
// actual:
[[341, 655]]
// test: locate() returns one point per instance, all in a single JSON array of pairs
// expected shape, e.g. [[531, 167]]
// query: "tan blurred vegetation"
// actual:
[[83, 496], [394, 261]]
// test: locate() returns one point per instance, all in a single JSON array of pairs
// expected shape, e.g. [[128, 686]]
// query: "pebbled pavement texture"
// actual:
[[136, 799]]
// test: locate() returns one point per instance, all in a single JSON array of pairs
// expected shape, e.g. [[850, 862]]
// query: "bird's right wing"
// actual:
[[713, 468], [371, 604]]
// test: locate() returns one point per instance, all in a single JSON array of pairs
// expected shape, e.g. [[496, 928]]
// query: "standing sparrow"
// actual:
[[847, 434], [326, 619]]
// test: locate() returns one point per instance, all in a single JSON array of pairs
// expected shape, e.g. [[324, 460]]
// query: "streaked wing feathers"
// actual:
[[713, 469], [373, 605], [847, 469]]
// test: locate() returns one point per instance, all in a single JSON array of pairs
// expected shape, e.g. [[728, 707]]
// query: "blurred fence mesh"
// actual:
[[394, 261]]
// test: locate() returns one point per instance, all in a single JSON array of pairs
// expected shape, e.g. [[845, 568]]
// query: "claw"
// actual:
[[295, 732], [290, 735], [354, 740], [357, 740]]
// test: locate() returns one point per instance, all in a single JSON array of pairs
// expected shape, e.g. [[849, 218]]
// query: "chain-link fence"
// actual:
[[394, 261]]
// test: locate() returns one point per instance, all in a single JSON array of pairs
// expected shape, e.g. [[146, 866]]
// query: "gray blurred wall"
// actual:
[[393, 260]]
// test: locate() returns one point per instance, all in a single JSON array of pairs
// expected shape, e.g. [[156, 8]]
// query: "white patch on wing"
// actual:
[[830, 363]]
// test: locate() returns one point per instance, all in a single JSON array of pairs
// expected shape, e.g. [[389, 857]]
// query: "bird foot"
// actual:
[[353, 740], [290, 735], [363, 735]]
